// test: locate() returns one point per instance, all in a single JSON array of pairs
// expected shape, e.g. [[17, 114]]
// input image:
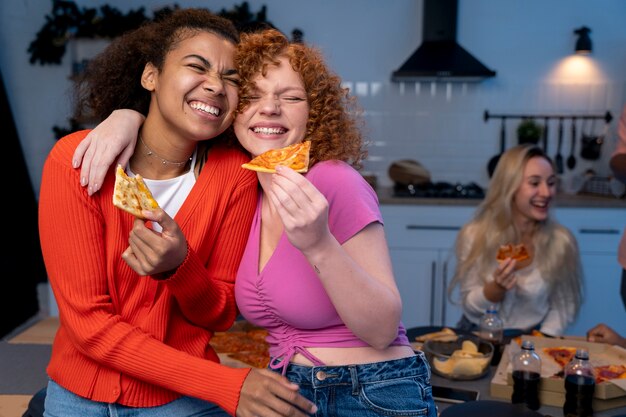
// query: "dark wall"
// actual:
[[20, 260]]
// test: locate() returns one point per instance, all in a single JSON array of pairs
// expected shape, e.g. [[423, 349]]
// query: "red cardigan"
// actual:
[[131, 339]]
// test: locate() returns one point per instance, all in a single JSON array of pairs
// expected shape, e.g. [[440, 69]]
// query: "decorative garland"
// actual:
[[68, 21]]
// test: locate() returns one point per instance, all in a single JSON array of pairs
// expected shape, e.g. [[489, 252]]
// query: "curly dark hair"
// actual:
[[333, 126], [112, 80]]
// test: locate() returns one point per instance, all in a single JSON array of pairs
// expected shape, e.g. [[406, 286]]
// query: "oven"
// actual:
[[439, 190]]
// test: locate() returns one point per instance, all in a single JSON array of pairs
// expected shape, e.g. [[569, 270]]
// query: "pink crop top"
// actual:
[[287, 298]]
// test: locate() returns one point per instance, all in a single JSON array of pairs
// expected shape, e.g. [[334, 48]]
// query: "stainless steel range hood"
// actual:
[[440, 57]]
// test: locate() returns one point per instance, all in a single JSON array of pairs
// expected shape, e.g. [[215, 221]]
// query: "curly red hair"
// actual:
[[332, 126]]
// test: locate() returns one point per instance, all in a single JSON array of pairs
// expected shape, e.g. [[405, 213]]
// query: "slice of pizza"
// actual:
[[131, 194], [230, 342], [256, 359], [560, 354], [517, 252], [240, 341], [444, 335], [608, 372], [294, 156]]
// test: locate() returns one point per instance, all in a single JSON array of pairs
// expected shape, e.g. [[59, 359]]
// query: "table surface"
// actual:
[[482, 385]]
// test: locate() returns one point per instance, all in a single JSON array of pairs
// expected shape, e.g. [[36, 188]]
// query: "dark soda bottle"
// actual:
[[526, 376], [580, 385]]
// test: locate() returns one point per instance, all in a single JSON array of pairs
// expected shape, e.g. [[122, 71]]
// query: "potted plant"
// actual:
[[529, 131]]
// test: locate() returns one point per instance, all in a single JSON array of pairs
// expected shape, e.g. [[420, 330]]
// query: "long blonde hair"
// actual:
[[556, 250]]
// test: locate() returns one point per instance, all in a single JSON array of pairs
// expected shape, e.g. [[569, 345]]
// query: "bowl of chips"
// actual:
[[466, 358]]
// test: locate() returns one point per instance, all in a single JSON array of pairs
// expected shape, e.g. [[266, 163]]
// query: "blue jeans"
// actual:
[[392, 388], [63, 403]]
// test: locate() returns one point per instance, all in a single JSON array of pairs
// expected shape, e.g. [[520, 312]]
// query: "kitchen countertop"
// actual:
[[385, 196]]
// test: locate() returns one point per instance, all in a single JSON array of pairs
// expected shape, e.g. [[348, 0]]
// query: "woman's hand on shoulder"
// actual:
[[115, 137], [267, 393]]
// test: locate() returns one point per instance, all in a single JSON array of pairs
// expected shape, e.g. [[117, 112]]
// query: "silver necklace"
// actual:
[[163, 160]]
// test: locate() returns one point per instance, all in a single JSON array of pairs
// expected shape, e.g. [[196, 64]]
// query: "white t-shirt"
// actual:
[[171, 193]]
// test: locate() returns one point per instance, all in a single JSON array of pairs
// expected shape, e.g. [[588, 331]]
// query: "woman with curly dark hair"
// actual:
[[316, 272], [139, 300]]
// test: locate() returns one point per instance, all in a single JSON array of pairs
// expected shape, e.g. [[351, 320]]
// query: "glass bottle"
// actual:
[[526, 376], [492, 330], [580, 384]]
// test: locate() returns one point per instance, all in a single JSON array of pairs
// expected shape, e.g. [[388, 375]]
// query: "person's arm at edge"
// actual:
[[602, 333]]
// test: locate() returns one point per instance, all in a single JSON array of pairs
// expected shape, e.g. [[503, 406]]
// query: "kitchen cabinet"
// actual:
[[598, 232], [421, 245], [422, 276]]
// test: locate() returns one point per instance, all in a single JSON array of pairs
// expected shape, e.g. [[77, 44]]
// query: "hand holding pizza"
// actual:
[[504, 275], [152, 252], [510, 258], [302, 209], [518, 252]]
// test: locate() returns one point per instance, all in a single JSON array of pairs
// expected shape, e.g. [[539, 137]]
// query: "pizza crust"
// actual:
[[294, 156], [131, 194], [260, 169]]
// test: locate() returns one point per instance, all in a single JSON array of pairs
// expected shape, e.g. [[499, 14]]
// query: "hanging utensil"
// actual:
[[571, 159], [491, 166], [592, 143], [558, 159]]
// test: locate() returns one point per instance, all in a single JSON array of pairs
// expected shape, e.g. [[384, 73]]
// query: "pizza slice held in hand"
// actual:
[[517, 252], [294, 156], [131, 194]]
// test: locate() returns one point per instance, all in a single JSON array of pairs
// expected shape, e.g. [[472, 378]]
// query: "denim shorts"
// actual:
[[63, 403], [391, 388]]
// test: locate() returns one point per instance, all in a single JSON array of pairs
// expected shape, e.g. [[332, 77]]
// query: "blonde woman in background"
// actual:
[[544, 295]]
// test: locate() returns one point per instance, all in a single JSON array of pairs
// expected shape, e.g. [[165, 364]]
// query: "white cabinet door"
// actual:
[[421, 241], [450, 312], [601, 302], [422, 276], [598, 232], [415, 271]]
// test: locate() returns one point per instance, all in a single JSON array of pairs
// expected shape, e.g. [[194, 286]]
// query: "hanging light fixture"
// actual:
[[583, 44]]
